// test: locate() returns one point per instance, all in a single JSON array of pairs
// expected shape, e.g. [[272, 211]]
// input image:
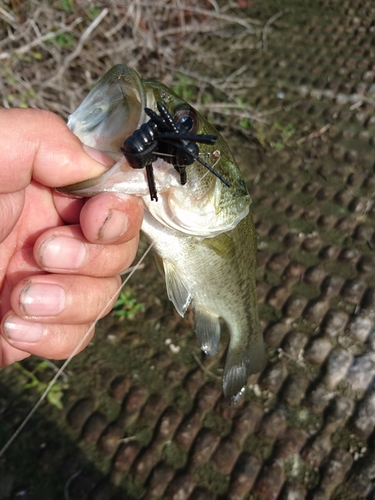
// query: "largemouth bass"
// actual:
[[202, 231]]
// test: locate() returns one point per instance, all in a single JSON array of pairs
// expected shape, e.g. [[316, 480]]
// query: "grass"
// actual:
[[127, 306], [276, 135], [34, 377]]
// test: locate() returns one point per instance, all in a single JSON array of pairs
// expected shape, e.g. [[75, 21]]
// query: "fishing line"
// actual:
[[65, 364]]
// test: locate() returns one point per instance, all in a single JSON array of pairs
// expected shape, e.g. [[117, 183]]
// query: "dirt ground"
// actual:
[[291, 86]]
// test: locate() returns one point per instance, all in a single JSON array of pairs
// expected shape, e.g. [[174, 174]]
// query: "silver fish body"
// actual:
[[203, 231]]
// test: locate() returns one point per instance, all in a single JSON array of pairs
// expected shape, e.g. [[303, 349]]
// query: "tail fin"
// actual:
[[241, 362]]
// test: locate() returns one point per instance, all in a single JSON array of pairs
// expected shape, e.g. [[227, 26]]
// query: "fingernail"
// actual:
[[98, 156], [62, 252], [42, 299], [19, 330], [115, 225]]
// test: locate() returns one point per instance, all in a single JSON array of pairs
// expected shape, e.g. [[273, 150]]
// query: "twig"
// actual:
[[7, 17], [235, 73], [315, 134], [69, 482], [267, 27], [209, 14], [226, 110], [203, 368], [85, 35], [127, 439], [123, 20], [25, 48]]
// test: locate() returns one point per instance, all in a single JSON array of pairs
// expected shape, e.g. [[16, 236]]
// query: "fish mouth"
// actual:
[[111, 112]]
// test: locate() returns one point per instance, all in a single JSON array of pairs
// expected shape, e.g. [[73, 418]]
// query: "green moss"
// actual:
[[181, 400], [308, 291], [132, 489], [217, 423], [343, 493], [271, 278], [306, 258], [144, 435], [255, 446], [344, 270], [174, 456], [302, 418], [297, 469], [268, 313], [343, 438], [208, 477]]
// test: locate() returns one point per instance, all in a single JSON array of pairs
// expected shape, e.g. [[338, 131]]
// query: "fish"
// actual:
[[202, 231]]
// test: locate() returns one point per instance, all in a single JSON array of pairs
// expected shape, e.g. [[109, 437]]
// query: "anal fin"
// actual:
[[177, 291], [207, 328]]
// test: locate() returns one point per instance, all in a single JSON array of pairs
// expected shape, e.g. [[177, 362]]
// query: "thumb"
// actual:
[[11, 206], [38, 144]]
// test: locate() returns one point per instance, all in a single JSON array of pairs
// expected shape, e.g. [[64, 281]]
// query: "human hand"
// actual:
[[59, 256]]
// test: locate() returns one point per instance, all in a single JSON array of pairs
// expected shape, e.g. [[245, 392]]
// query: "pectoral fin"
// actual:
[[207, 328], [222, 245], [177, 291]]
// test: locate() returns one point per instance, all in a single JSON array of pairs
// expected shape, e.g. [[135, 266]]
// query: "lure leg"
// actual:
[[151, 182]]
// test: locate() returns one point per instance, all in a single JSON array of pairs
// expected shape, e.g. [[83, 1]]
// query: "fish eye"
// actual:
[[188, 118], [186, 121]]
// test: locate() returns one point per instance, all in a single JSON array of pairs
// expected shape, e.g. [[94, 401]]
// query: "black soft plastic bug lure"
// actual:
[[164, 136]]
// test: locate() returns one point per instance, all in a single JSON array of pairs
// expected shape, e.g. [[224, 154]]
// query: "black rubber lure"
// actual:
[[164, 136]]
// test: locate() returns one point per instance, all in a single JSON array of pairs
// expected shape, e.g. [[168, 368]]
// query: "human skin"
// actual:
[[60, 257]]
